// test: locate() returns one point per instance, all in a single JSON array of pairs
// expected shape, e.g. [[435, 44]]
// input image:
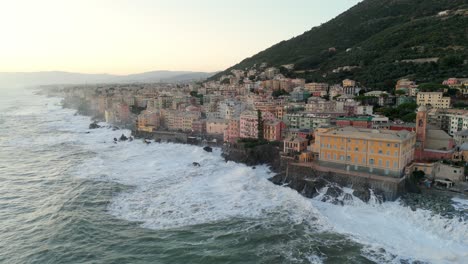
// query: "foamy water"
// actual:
[[167, 194]]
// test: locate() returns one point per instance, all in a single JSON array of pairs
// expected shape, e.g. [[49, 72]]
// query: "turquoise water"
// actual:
[[69, 195]]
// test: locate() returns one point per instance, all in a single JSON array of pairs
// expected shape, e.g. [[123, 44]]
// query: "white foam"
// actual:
[[170, 192], [404, 234], [460, 204]]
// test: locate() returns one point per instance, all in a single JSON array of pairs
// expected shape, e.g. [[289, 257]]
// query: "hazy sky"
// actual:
[[130, 36]]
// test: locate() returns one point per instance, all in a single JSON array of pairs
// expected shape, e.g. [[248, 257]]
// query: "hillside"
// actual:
[[377, 33]]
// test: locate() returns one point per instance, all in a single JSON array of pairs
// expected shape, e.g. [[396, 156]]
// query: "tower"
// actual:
[[421, 126]]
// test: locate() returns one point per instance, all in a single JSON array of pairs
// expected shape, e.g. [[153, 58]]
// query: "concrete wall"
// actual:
[[163, 136], [390, 188]]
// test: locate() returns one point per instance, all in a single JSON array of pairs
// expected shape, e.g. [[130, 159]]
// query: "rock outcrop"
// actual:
[[208, 149], [94, 125], [259, 155]]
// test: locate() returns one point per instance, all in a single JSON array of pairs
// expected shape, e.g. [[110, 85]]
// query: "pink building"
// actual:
[[451, 82], [248, 125], [232, 133], [273, 129]]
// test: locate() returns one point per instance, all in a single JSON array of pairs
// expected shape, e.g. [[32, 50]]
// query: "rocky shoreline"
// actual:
[[437, 203]]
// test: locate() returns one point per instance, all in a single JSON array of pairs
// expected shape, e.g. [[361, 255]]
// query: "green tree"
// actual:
[[400, 92], [279, 92], [260, 125]]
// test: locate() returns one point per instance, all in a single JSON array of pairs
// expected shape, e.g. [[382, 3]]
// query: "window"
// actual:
[[348, 158], [341, 157], [396, 145], [371, 161], [396, 153], [388, 144], [388, 164], [356, 149], [395, 165], [380, 162], [388, 153], [363, 160], [380, 151]]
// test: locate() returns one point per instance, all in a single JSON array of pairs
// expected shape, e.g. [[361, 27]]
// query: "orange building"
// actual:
[[381, 152]]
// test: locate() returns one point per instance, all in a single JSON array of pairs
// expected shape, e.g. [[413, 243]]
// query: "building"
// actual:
[[364, 110], [431, 144], [230, 108], [461, 137], [359, 121], [299, 94], [316, 87], [381, 152], [295, 145], [433, 99], [406, 85], [306, 121], [199, 127], [148, 121], [349, 83], [216, 126], [439, 171], [248, 125], [319, 105], [273, 130], [232, 133]]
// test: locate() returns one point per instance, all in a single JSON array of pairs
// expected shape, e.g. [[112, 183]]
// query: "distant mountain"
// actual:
[[59, 77], [381, 41]]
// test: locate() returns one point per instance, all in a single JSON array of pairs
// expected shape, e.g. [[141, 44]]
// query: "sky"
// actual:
[[132, 36]]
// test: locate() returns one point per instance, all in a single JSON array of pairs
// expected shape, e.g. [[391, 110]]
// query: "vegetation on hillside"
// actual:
[[381, 38]]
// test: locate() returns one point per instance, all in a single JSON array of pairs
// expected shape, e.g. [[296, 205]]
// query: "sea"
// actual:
[[69, 194]]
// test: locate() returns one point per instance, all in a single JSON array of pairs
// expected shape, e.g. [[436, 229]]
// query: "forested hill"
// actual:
[[382, 41]]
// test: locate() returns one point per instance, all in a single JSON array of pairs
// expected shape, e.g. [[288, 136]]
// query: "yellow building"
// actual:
[[434, 99], [381, 152], [349, 83]]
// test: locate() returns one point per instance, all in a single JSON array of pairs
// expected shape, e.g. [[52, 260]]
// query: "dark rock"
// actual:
[[259, 155], [123, 138], [363, 194], [130, 139], [94, 125], [208, 149], [115, 139], [334, 192], [196, 164], [348, 197]]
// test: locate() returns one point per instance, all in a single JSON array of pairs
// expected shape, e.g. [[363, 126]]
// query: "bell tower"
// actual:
[[421, 125]]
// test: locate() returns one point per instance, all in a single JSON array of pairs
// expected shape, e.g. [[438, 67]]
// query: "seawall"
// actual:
[[307, 178]]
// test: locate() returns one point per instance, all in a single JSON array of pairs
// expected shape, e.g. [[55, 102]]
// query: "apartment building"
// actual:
[[433, 99]]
